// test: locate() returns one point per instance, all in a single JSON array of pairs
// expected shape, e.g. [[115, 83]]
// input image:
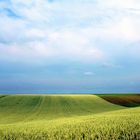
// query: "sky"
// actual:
[[69, 46]]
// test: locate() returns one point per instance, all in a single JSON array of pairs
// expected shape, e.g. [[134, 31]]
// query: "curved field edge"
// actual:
[[121, 124], [127, 100], [74, 117], [16, 108]]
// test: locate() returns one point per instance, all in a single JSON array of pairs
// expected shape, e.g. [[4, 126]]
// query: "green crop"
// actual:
[[64, 117]]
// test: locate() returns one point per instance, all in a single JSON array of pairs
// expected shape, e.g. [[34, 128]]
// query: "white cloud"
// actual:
[[127, 29], [62, 45], [74, 44], [37, 10], [89, 73], [35, 34], [111, 65], [40, 34], [121, 4]]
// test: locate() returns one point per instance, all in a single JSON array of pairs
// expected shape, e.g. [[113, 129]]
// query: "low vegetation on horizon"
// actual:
[[69, 117]]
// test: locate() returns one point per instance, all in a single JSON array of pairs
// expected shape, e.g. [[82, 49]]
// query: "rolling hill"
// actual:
[[14, 108], [65, 117]]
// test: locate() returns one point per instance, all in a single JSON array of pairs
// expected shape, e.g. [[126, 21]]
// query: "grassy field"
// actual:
[[75, 117]]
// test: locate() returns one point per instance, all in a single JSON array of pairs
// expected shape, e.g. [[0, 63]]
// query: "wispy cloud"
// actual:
[[77, 34], [39, 26], [89, 73]]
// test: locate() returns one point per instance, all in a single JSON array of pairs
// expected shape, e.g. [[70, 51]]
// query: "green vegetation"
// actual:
[[76, 117]]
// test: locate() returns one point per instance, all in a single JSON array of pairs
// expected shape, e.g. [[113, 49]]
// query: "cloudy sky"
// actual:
[[75, 46]]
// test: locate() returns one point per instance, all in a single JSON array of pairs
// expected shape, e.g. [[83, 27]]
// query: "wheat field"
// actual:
[[66, 117]]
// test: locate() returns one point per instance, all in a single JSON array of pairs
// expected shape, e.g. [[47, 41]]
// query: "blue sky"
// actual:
[[76, 46]]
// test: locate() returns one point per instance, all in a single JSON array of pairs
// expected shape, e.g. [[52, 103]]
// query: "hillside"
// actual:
[[128, 100], [66, 117], [14, 108]]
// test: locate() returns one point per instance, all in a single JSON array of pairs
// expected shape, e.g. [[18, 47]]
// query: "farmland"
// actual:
[[41, 117], [127, 100]]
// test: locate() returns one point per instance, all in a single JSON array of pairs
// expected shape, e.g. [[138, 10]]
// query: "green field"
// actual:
[[64, 117]]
